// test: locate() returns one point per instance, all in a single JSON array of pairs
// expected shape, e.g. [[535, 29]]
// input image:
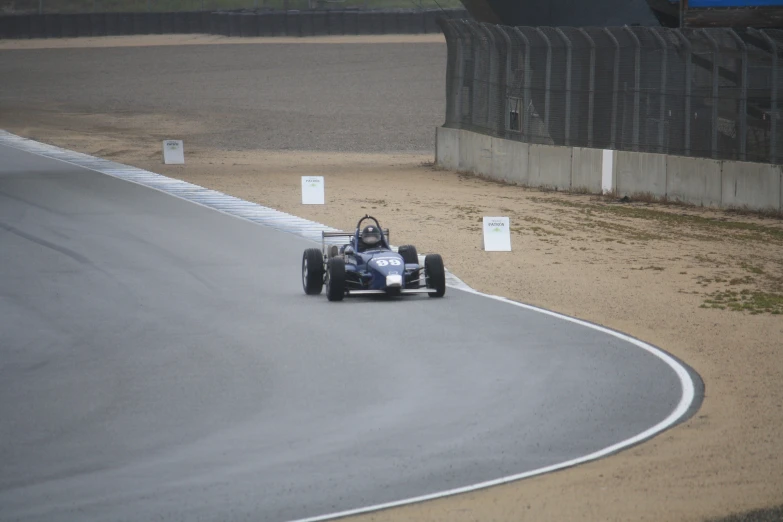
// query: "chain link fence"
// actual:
[[712, 93]]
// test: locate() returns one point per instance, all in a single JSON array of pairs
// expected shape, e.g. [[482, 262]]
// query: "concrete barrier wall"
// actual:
[[699, 181], [447, 147], [694, 180], [550, 166], [240, 24], [640, 172], [753, 184], [510, 161], [586, 167], [475, 153]]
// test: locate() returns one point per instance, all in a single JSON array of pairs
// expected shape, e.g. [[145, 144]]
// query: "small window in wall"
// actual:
[[514, 114]]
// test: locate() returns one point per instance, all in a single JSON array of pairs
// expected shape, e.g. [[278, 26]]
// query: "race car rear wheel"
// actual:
[[335, 279], [409, 254], [312, 271], [435, 274]]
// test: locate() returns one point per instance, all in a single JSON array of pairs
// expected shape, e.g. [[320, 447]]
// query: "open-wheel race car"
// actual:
[[365, 264]]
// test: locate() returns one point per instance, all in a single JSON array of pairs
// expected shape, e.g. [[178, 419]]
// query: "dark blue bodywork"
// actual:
[[368, 268]]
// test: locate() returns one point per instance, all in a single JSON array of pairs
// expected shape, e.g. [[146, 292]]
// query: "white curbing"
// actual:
[[679, 413], [188, 191], [311, 230]]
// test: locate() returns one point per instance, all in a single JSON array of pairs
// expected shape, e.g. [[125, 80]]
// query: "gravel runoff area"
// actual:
[[705, 285]]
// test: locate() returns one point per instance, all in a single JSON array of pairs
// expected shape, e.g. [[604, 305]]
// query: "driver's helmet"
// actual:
[[371, 236]]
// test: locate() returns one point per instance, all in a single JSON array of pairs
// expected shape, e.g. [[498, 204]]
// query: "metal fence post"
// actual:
[[636, 87], [449, 33], [458, 107], [615, 88], [493, 68], [569, 63], [591, 87], [40, 6], [455, 78], [743, 108], [773, 137], [526, 91], [507, 112], [475, 51], [662, 96], [475, 31], [688, 86], [548, 80], [715, 92]]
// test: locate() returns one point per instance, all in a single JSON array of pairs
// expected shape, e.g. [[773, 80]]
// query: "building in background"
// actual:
[[603, 13]]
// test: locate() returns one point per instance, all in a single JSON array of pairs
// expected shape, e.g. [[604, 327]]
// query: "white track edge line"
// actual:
[[686, 400], [686, 383]]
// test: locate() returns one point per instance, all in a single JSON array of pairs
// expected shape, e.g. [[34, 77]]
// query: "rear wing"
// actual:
[[340, 238]]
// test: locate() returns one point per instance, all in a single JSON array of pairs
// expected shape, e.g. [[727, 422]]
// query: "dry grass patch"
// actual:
[[754, 302]]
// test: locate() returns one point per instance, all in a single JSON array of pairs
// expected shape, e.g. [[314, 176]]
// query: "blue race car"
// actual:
[[366, 264]]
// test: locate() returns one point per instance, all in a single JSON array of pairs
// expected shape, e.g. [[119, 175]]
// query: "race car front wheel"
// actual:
[[435, 275], [312, 271], [335, 279]]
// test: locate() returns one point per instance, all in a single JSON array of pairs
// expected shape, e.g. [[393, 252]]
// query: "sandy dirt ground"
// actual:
[[705, 285]]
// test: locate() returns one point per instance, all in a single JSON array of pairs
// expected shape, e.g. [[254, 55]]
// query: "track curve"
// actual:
[[159, 360]]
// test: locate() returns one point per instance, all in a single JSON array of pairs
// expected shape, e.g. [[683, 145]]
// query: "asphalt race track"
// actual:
[[159, 361]]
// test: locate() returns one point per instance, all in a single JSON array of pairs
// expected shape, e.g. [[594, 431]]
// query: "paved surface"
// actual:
[[351, 97], [159, 360]]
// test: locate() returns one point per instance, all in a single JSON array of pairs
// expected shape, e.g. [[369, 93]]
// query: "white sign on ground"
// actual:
[[173, 152], [497, 234], [312, 190]]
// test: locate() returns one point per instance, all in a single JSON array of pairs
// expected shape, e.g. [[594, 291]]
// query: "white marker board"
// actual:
[[312, 190], [173, 152], [607, 171], [497, 234]]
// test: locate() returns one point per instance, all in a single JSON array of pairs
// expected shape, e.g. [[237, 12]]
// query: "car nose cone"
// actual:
[[394, 281]]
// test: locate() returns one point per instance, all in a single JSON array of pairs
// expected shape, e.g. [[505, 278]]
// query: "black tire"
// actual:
[[436, 274], [409, 254], [312, 271], [335, 279]]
